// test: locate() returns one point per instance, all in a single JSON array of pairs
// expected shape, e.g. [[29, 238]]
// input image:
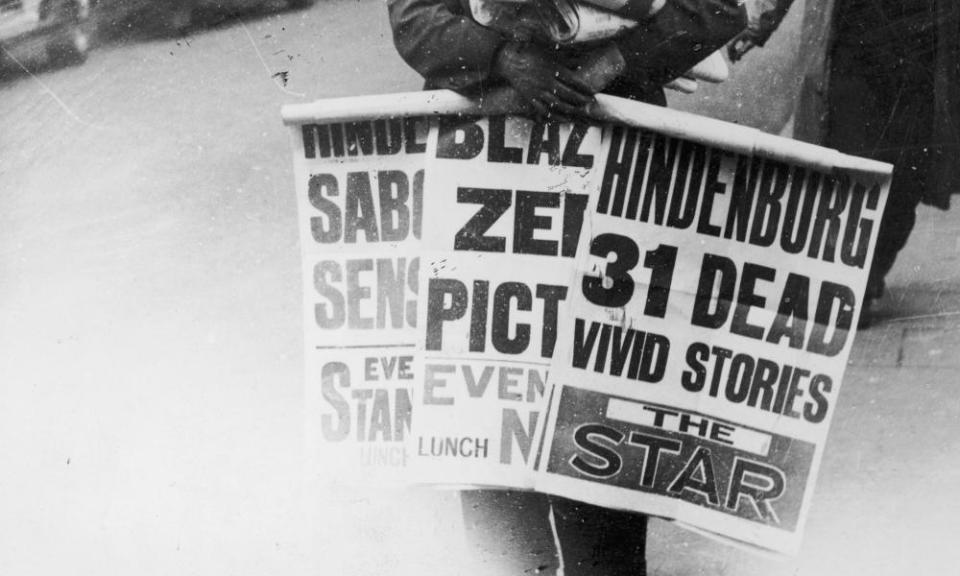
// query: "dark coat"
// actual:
[[945, 177], [439, 39], [889, 88]]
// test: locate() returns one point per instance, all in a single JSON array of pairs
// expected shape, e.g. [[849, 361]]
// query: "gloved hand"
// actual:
[[600, 66], [551, 89]]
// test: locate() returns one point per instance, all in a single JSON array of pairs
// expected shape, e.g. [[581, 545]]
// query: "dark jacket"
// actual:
[[888, 88], [440, 40], [901, 59]]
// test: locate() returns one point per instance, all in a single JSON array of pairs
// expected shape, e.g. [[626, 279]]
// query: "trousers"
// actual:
[[513, 533]]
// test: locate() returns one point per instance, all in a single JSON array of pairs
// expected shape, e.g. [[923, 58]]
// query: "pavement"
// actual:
[[883, 501], [151, 373]]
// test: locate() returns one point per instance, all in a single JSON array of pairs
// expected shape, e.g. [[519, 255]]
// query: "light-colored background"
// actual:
[[150, 337]]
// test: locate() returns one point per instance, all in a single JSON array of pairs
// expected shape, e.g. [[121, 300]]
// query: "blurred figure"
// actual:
[[892, 94], [178, 17]]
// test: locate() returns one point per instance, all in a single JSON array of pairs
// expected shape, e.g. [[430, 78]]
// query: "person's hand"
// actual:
[[763, 18], [551, 89]]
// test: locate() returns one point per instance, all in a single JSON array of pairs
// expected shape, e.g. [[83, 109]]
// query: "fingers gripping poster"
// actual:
[[359, 191], [709, 321], [505, 199]]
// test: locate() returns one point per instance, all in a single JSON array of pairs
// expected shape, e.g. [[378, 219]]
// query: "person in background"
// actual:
[[892, 94], [514, 532]]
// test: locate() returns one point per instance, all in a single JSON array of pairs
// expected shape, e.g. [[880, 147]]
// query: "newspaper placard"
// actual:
[[710, 318], [698, 340], [359, 191], [505, 198]]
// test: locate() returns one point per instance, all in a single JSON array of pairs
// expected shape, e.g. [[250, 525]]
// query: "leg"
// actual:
[[598, 541], [895, 227], [905, 145], [880, 107], [510, 532]]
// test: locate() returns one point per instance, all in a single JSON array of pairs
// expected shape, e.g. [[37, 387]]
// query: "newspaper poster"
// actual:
[[360, 194], [710, 318], [505, 199]]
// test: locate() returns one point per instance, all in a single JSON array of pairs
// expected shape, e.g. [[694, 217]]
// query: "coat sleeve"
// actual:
[[681, 34], [443, 44]]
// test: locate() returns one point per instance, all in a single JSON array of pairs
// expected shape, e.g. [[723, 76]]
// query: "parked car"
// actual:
[[56, 27]]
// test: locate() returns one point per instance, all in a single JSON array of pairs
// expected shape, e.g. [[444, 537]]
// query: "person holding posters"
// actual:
[[893, 90], [450, 50], [523, 532]]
